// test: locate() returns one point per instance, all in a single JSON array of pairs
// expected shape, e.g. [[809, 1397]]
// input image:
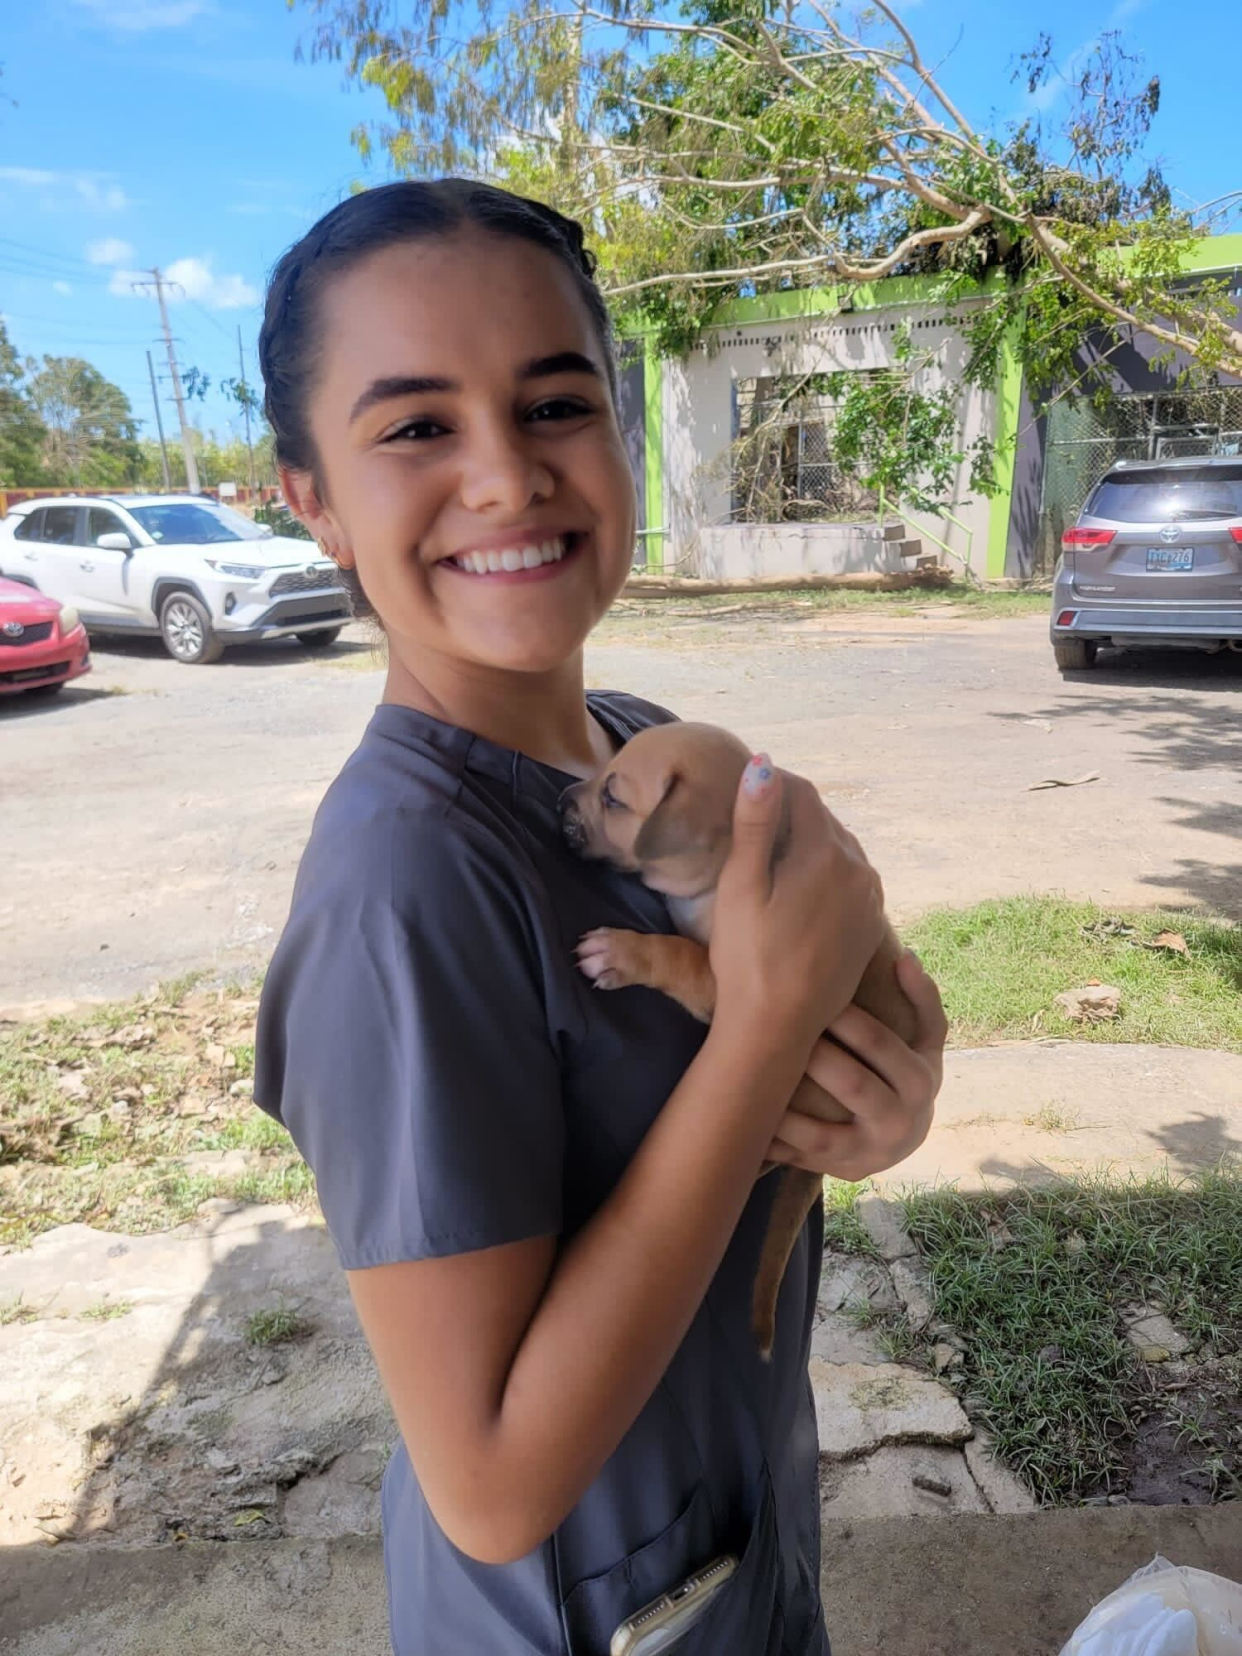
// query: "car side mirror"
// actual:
[[115, 541], [266, 531]]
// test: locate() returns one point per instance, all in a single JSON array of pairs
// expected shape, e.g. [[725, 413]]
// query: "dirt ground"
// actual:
[[152, 816]]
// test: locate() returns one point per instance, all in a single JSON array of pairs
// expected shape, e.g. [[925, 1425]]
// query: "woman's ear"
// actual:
[[302, 499]]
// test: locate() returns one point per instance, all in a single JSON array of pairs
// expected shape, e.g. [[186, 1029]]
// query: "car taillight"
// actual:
[[1236, 531], [1086, 538]]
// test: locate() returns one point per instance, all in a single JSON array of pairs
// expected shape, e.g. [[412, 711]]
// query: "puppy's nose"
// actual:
[[573, 830]]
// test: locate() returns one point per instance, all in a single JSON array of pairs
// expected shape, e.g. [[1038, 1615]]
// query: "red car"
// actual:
[[42, 643]]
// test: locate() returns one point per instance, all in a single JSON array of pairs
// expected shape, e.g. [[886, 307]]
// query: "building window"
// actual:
[[782, 469]]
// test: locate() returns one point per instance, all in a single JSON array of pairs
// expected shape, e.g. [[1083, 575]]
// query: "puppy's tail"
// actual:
[[796, 1195]]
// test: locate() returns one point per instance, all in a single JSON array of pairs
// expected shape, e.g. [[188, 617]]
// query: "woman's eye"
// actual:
[[558, 408], [416, 431]]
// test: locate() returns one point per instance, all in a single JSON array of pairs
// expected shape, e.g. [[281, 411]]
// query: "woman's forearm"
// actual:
[[624, 1291]]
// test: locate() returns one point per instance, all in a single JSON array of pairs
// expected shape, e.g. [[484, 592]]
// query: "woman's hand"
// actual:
[[799, 914], [890, 1088]]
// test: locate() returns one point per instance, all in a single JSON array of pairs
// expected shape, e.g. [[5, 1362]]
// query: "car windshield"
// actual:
[[1170, 496], [198, 524]]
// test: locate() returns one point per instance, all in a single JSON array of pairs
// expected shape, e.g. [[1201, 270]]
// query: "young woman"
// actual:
[[547, 1201]]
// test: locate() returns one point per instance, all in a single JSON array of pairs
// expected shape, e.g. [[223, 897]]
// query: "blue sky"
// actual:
[[184, 134]]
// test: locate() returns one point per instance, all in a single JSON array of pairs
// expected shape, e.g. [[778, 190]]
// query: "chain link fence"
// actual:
[[1083, 443]]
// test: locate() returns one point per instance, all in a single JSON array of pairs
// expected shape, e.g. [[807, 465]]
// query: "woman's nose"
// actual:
[[499, 472]]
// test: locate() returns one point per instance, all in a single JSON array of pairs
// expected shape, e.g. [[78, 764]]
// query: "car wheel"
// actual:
[[1075, 654], [319, 640], [187, 631]]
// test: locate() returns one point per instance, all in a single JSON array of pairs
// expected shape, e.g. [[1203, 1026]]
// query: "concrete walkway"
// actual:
[[1032, 1111], [295, 1437], [961, 1586]]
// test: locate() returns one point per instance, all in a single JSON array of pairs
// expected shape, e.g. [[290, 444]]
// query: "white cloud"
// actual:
[[121, 283], [100, 197], [138, 16], [110, 251], [264, 209], [219, 292], [26, 175], [61, 287], [95, 191], [196, 280]]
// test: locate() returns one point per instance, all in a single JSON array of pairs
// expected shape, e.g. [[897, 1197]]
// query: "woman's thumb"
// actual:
[[756, 819]]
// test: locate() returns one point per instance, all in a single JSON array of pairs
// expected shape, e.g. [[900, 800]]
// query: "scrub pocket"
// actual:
[[744, 1616]]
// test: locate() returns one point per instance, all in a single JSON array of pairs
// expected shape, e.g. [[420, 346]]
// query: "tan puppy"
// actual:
[[663, 809]]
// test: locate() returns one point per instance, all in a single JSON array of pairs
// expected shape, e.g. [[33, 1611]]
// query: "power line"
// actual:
[[202, 309], [47, 253], [15, 265], [58, 321]]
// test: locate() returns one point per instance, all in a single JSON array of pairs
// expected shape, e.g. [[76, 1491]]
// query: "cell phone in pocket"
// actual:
[[659, 1625]]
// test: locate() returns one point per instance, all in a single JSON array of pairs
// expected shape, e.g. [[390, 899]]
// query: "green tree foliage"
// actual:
[[718, 150], [90, 435], [22, 433]]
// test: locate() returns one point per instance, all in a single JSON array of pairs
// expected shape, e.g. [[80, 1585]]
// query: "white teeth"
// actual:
[[511, 558]]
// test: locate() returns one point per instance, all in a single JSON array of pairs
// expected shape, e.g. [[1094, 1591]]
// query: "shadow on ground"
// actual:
[[167, 1422], [280, 652], [1164, 724]]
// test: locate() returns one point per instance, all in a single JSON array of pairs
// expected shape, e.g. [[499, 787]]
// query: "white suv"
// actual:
[[198, 575]]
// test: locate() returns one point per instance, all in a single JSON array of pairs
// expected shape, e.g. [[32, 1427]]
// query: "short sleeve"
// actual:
[[403, 1041]]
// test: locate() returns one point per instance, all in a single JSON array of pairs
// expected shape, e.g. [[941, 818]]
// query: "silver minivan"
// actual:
[[1155, 559]]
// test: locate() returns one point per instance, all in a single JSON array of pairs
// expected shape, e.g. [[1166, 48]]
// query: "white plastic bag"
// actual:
[[1164, 1611]]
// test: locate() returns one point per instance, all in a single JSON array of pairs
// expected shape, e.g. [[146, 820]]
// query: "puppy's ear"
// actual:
[[679, 823]]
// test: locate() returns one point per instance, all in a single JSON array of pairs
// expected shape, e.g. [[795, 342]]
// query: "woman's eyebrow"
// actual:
[[399, 385], [413, 385], [562, 362]]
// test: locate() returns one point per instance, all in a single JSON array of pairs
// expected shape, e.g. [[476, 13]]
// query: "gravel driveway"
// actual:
[[151, 817]]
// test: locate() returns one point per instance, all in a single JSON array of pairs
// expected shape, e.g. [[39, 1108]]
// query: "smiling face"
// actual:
[[470, 464]]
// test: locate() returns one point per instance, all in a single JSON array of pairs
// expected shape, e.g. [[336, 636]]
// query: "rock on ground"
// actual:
[[861, 1407], [898, 1481]]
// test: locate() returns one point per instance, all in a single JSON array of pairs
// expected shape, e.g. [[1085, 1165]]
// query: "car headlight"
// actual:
[[68, 618], [239, 572]]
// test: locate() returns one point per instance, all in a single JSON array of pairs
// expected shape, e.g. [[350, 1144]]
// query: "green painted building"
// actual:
[[735, 475]]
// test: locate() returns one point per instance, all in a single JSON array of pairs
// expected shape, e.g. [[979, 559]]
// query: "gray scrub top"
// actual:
[[454, 1083]]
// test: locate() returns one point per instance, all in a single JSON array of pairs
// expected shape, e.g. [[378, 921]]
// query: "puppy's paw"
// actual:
[[611, 959]]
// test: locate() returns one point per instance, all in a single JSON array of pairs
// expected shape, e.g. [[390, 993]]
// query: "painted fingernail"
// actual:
[[758, 776]]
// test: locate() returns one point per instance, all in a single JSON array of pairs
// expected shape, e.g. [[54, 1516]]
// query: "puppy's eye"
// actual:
[[609, 799]]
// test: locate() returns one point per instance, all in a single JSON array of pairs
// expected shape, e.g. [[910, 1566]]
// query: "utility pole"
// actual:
[[241, 369], [159, 283], [159, 423]]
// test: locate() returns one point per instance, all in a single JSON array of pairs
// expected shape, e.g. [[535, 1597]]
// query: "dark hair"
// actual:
[[365, 223]]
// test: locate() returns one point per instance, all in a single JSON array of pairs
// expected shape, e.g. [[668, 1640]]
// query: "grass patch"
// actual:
[[1001, 964], [16, 1311], [958, 595], [264, 1328], [97, 1112], [741, 619], [1036, 1281], [843, 1229], [106, 1311]]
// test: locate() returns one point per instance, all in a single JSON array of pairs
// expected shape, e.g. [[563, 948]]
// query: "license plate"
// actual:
[[1170, 558]]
